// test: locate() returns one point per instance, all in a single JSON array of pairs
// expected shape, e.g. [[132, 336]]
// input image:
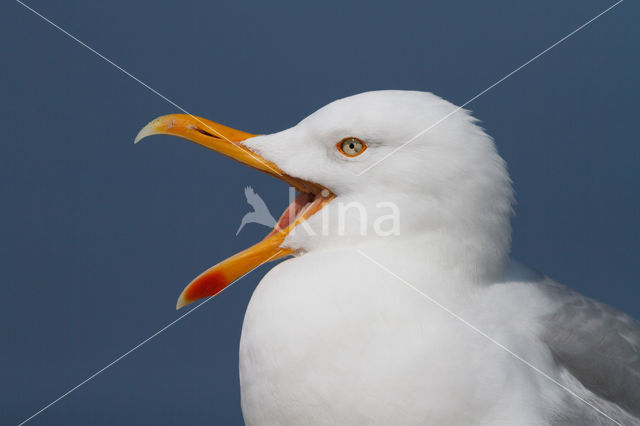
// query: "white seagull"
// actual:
[[430, 324]]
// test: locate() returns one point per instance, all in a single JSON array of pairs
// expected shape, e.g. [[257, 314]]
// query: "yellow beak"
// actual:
[[228, 141]]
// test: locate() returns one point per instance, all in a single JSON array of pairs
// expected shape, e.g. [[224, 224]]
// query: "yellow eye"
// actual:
[[351, 146]]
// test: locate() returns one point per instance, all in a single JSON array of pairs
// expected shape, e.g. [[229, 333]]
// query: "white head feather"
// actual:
[[450, 184]]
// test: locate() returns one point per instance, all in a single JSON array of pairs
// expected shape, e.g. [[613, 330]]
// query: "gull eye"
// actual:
[[351, 146]]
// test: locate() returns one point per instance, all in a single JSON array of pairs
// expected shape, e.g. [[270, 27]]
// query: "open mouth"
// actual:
[[311, 198], [305, 205]]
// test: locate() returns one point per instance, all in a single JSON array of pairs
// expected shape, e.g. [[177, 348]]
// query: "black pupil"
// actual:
[[352, 145]]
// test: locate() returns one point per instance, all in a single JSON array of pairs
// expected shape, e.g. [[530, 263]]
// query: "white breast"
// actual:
[[329, 338]]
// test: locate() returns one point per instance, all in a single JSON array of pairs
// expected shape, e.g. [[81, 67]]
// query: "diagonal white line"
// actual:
[[145, 85], [91, 377], [483, 334], [113, 362], [489, 88]]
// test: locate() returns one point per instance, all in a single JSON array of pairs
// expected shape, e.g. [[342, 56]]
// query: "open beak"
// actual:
[[227, 141]]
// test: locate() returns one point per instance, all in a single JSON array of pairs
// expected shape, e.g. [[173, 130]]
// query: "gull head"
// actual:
[[374, 168]]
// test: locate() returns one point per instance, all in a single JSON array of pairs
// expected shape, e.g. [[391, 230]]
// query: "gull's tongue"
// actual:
[[290, 214]]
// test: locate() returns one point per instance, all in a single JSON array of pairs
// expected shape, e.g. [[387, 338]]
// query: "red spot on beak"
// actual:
[[207, 284]]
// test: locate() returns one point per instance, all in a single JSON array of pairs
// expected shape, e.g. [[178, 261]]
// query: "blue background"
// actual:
[[98, 236]]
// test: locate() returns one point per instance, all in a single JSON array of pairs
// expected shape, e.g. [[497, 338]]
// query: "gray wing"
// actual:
[[598, 345]]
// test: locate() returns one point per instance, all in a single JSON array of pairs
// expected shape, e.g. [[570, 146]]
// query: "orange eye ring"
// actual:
[[351, 146]]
